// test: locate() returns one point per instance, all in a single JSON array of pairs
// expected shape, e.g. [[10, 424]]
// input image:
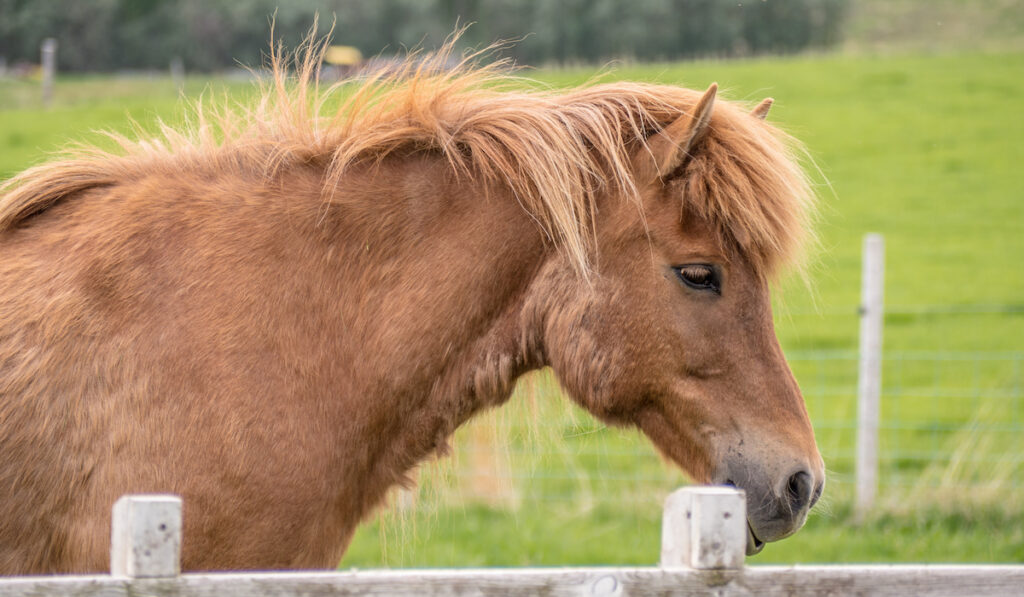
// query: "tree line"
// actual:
[[105, 35]]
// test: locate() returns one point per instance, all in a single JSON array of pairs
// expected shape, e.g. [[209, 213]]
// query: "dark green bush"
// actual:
[[102, 35]]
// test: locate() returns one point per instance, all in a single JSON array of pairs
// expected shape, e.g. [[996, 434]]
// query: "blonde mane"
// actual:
[[556, 150]]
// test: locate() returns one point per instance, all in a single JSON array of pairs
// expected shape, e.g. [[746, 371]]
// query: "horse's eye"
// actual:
[[700, 276]]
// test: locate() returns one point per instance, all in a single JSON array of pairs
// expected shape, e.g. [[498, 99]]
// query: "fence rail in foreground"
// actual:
[[703, 542]]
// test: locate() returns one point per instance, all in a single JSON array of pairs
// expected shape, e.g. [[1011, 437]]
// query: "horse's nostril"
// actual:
[[800, 489], [817, 494]]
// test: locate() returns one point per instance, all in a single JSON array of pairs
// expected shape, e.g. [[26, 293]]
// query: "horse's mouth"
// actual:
[[754, 545]]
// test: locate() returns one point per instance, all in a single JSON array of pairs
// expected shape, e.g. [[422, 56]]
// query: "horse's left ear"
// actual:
[[667, 149]]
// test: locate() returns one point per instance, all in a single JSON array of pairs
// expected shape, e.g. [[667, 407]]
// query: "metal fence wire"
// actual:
[[949, 420]]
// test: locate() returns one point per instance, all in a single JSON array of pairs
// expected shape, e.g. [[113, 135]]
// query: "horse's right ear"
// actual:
[[666, 150], [761, 111]]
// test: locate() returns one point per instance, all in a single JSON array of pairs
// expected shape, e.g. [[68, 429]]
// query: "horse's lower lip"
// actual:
[[754, 545]]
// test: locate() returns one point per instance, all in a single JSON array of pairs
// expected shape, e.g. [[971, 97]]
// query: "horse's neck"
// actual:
[[436, 309]]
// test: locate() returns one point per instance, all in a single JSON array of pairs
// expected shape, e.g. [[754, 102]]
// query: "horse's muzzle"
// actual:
[[777, 505]]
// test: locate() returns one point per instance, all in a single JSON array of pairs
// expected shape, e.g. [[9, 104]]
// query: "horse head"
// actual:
[[672, 332]]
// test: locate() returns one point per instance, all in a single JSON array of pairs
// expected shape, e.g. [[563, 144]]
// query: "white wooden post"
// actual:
[[145, 537], [869, 381], [704, 528], [178, 73], [49, 60]]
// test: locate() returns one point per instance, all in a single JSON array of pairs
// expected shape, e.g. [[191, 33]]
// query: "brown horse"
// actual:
[[278, 313]]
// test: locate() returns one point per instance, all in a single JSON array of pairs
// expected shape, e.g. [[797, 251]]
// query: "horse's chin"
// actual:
[[754, 545]]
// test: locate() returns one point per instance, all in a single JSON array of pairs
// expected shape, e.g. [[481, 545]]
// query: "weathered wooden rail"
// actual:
[[703, 542]]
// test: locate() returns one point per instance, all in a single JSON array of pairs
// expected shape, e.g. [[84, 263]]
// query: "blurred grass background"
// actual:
[[920, 141]]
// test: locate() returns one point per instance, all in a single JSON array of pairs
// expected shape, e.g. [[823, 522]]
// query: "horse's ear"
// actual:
[[667, 149], [761, 111]]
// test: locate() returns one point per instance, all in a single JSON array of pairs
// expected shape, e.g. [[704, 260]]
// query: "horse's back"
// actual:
[[47, 374], [94, 371], [150, 339]]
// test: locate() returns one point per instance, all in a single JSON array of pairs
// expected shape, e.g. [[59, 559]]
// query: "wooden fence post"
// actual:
[[704, 528], [145, 536], [178, 73], [869, 380], [49, 61]]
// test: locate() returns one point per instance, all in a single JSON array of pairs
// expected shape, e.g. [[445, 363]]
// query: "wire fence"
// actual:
[[949, 420], [951, 428]]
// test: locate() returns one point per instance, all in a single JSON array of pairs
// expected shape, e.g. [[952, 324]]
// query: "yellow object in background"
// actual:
[[343, 56]]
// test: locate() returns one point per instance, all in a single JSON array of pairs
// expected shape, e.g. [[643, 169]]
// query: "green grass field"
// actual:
[[925, 149]]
